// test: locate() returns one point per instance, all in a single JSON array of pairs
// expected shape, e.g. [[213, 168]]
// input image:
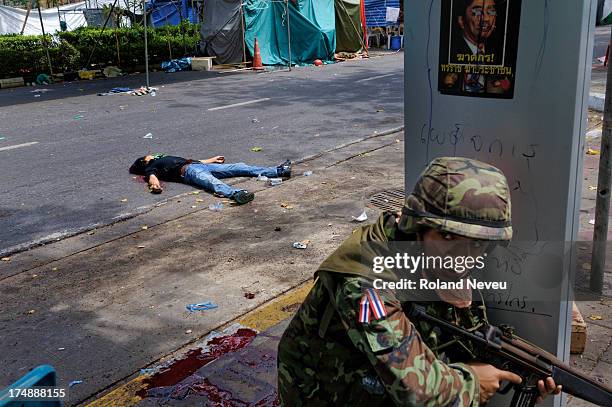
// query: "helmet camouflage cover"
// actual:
[[461, 196]]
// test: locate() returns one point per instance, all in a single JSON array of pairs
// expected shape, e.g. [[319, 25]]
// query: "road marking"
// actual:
[[260, 319], [374, 77], [31, 143], [250, 102]]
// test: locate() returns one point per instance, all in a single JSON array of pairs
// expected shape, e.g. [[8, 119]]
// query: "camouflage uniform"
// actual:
[[327, 357]]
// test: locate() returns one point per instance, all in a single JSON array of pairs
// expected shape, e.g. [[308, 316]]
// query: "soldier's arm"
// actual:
[[410, 371]]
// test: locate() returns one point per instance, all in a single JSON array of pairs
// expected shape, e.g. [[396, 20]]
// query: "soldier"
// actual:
[[332, 353]]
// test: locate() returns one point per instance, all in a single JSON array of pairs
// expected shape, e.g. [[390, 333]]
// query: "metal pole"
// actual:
[[26, 17], [602, 204], [243, 34], [288, 33], [144, 10], [42, 27]]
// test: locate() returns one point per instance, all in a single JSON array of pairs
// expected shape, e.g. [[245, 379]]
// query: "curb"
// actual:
[[596, 101]]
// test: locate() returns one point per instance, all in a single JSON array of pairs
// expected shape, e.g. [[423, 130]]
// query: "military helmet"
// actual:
[[460, 196]]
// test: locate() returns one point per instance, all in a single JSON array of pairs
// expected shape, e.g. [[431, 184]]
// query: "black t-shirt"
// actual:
[[166, 167]]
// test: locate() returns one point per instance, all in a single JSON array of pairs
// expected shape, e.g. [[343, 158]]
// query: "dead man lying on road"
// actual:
[[205, 174]]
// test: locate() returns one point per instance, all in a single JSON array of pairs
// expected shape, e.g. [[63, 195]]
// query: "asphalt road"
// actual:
[[64, 155]]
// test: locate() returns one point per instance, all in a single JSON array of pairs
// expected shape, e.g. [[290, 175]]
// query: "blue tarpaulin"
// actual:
[[175, 65], [313, 30], [376, 12], [170, 12]]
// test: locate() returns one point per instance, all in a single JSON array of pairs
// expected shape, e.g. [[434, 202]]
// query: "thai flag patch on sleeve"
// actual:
[[376, 304], [364, 310]]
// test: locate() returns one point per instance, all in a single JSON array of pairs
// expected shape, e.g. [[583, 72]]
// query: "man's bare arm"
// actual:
[[218, 159], [154, 185]]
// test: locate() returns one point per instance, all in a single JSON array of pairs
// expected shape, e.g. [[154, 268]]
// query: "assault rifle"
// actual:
[[500, 347]]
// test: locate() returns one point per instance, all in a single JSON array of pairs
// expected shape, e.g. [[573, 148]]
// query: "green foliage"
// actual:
[[162, 42], [70, 50], [23, 54]]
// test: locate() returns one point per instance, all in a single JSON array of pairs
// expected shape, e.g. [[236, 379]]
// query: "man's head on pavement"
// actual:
[[138, 168], [460, 196], [477, 19]]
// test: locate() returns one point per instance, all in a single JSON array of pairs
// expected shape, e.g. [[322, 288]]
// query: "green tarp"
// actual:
[[349, 32], [313, 31]]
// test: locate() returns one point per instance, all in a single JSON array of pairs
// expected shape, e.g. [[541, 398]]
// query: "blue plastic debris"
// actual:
[[74, 383], [203, 306], [175, 65]]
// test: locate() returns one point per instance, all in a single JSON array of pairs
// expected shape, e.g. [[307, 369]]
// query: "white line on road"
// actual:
[[239, 104], [374, 77], [31, 143]]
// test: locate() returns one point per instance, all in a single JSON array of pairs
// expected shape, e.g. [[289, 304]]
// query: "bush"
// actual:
[[163, 42], [70, 50], [23, 54]]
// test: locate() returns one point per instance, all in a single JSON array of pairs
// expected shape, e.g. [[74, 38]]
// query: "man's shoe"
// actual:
[[284, 170], [242, 197]]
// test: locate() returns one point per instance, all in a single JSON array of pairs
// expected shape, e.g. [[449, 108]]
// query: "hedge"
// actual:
[[24, 54], [70, 50]]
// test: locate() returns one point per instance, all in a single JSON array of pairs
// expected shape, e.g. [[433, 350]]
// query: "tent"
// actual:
[[349, 25], [222, 32], [309, 23], [170, 12], [12, 19], [376, 12]]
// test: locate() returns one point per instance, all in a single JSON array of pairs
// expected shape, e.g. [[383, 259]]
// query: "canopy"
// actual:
[[376, 12], [313, 32], [349, 29], [222, 32], [11, 18]]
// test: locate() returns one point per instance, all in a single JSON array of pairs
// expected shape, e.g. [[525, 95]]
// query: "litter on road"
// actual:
[[301, 244], [361, 218], [202, 306], [116, 91], [262, 178], [256, 149], [6, 259], [148, 135], [307, 173], [78, 117], [216, 207], [176, 65], [590, 151], [275, 181], [74, 383]]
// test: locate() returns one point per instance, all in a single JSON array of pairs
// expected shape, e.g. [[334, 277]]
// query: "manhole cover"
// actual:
[[389, 200]]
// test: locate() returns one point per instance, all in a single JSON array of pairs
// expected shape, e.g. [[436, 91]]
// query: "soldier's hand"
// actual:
[[490, 378], [546, 388]]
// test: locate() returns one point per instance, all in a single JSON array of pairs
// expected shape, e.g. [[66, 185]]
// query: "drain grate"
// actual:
[[388, 200]]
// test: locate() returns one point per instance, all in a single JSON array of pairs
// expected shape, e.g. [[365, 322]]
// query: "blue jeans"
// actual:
[[207, 176]]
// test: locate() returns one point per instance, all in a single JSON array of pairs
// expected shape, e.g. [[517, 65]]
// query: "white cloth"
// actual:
[[11, 18]]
